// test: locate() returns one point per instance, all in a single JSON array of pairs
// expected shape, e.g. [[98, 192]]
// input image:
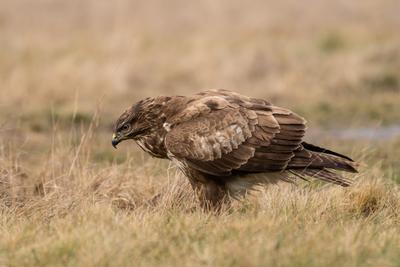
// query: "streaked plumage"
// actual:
[[227, 143]]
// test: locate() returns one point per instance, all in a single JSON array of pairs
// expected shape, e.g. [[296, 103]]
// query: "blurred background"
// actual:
[[337, 63]]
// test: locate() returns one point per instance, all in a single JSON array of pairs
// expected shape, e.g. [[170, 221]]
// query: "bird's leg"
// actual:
[[212, 196]]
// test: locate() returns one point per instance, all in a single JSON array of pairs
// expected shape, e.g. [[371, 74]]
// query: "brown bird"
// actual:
[[227, 143]]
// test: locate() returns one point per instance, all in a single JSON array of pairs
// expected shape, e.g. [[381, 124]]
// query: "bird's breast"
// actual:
[[154, 145]]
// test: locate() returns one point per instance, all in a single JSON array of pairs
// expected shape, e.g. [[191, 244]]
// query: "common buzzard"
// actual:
[[227, 143]]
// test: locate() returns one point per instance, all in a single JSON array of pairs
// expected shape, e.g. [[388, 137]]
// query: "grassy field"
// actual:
[[69, 68]]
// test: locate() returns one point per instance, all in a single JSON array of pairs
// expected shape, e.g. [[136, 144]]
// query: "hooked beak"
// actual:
[[115, 140]]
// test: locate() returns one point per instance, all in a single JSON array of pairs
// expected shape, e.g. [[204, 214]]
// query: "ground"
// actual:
[[69, 68]]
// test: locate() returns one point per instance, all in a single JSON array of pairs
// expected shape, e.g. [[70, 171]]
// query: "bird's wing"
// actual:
[[223, 131]]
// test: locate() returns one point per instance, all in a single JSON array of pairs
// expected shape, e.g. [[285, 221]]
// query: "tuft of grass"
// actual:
[[369, 198], [331, 42], [381, 82], [44, 121]]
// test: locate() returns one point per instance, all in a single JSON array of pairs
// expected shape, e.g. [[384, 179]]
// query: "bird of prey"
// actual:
[[227, 143]]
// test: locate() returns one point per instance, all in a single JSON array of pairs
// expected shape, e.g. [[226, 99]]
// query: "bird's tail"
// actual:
[[308, 161], [316, 162]]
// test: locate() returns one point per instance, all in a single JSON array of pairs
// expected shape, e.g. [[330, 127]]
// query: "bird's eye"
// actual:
[[125, 127]]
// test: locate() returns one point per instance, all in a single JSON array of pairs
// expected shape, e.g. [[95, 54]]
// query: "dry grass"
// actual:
[[100, 214], [69, 68]]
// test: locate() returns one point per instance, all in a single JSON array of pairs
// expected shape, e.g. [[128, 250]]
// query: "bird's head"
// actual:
[[138, 121]]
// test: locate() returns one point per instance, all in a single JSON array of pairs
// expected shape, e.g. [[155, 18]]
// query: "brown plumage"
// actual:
[[227, 143]]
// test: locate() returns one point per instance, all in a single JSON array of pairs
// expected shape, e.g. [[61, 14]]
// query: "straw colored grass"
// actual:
[[79, 213]]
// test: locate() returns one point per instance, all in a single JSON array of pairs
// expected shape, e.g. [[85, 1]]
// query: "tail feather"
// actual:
[[318, 149], [308, 161], [316, 162], [324, 175], [313, 157]]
